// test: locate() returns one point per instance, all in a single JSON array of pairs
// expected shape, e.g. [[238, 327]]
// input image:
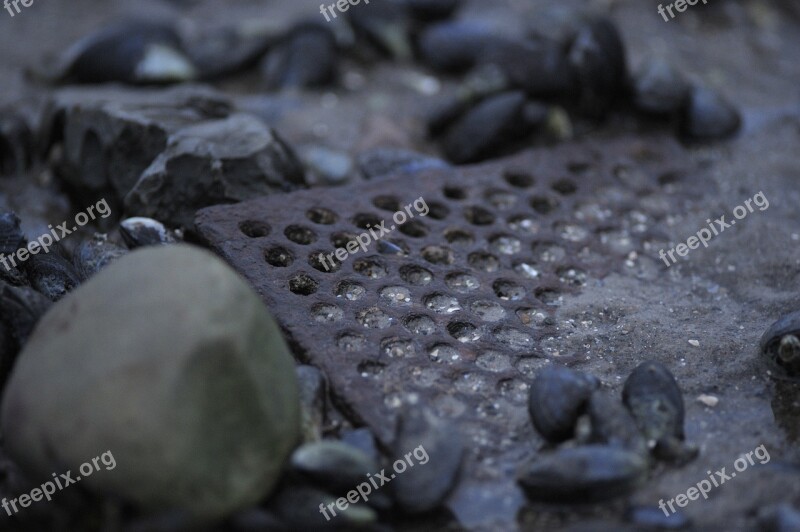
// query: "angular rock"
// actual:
[[168, 360], [219, 161], [111, 135]]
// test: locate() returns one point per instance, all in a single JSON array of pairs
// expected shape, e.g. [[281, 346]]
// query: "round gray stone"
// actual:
[[170, 361]]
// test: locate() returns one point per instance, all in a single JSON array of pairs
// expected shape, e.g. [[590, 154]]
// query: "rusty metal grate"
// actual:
[[459, 323]]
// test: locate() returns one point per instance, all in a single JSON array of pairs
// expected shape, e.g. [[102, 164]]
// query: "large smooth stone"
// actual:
[[168, 360]]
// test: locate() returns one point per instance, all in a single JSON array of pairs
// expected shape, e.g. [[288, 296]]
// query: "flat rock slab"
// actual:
[[507, 241]]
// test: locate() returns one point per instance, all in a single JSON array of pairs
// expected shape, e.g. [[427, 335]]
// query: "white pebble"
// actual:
[[708, 400]]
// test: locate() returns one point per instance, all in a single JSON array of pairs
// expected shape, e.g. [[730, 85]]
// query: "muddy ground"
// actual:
[[721, 298]]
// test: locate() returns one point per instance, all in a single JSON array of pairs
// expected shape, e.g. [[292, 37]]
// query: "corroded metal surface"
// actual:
[[461, 322]]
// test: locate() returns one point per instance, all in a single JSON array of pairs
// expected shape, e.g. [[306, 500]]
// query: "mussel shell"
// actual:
[[94, 255], [597, 56], [489, 129], [332, 464], [51, 274], [660, 89], [307, 58], [11, 237], [140, 231], [384, 25], [129, 52], [454, 46], [539, 67], [771, 339], [20, 310], [613, 425], [654, 399], [431, 10], [225, 51], [589, 473], [17, 144], [557, 398]]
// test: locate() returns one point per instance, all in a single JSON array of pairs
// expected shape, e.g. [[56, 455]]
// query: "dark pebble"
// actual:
[[653, 518], [708, 116], [557, 397], [16, 144], [382, 162], [654, 399], [454, 46], [583, 474], [307, 58], [786, 358], [51, 274], [780, 518], [488, 129], [21, 307], [386, 26], [130, 52], [256, 520], [597, 56], [540, 68], [660, 89], [424, 486], [431, 10], [613, 425]]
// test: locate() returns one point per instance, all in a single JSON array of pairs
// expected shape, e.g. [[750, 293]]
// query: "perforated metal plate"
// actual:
[[461, 322]]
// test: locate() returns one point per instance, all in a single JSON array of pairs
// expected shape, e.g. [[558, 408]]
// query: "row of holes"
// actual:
[[475, 215], [376, 268], [501, 243], [459, 329], [462, 282]]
